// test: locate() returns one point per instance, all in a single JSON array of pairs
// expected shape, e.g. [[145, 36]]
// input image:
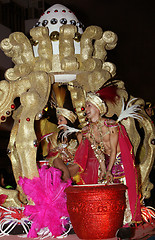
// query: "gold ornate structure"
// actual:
[[31, 78]]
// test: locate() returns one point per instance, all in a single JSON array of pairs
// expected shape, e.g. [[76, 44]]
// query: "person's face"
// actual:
[[92, 111], [62, 120], [149, 111]]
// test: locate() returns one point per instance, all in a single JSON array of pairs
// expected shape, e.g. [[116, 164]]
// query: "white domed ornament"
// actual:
[[55, 17]]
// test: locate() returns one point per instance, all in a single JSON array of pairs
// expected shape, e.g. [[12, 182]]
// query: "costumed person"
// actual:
[[45, 127], [62, 144], [150, 111], [107, 154], [62, 147]]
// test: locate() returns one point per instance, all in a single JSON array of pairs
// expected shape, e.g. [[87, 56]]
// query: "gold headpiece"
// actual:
[[97, 101], [66, 113], [148, 104]]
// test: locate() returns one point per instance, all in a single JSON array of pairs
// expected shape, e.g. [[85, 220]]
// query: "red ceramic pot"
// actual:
[[96, 211]]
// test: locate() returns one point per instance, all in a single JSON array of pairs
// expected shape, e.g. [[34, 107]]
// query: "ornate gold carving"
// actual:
[[12, 199], [88, 63], [66, 48], [45, 51]]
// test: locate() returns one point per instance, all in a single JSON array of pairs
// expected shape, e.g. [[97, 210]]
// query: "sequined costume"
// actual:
[[65, 151], [118, 169]]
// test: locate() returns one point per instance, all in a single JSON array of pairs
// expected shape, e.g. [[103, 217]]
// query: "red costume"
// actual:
[[89, 165]]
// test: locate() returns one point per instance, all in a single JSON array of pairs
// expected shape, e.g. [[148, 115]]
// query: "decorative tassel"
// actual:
[[148, 214], [12, 217]]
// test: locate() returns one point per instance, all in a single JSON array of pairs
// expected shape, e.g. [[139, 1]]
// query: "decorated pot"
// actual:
[[96, 211]]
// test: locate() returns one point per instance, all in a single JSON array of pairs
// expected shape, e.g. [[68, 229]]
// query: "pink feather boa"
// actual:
[[47, 192]]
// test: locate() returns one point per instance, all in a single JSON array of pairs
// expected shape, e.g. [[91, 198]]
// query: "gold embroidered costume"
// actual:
[[65, 151]]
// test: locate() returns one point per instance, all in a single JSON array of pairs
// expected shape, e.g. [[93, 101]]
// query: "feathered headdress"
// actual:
[[68, 130], [108, 93], [100, 97], [131, 111]]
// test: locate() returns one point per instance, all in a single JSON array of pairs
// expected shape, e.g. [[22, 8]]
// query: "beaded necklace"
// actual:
[[98, 147]]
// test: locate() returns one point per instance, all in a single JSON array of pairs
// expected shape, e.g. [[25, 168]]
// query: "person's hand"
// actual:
[[109, 177], [102, 175], [65, 175], [103, 170]]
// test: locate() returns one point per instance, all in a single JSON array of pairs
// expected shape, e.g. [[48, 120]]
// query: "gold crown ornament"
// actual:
[[66, 113], [97, 101]]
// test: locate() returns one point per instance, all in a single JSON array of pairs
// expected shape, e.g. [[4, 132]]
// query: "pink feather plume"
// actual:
[[47, 192]]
